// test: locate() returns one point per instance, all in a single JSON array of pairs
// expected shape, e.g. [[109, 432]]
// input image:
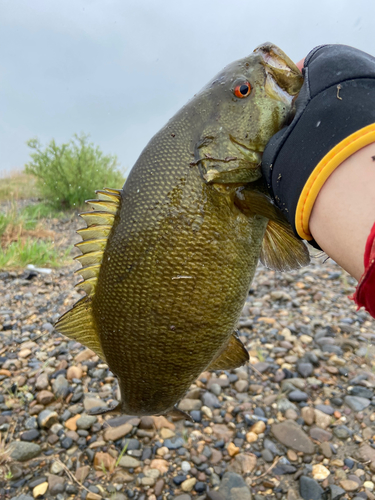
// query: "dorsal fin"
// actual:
[[78, 323]]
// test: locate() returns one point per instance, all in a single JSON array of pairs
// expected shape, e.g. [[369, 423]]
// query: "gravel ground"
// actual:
[[297, 421]]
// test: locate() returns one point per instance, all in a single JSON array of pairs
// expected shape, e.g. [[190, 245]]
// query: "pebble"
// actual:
[[233, 487], [349, 485], [22, 451], [130, 462], [40, 490], [188, 484], [47, 418], [319, 472], [309, 489], [298, 396], [190, 404], [86, 421], [301, 349], [291, 435], [115, 433], [356, 403]]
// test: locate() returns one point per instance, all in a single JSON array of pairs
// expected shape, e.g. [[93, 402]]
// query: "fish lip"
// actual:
[[281, 69]]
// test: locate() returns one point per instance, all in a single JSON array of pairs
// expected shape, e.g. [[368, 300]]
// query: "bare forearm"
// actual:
[[344, 211]]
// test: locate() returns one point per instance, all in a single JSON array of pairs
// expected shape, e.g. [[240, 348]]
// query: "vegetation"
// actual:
[[19, 186], [24, 239], [69, 174], [38, 252], [63, 176]]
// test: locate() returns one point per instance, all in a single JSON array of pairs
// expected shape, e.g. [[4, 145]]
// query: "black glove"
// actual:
[[335, 117]]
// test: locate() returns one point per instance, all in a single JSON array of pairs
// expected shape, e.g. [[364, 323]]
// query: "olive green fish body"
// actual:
[[184, 239]]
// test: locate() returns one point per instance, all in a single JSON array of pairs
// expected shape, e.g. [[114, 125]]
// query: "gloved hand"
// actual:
[[335, 117]]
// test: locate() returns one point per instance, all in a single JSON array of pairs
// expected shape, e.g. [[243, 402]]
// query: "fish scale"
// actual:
[[174, 270]]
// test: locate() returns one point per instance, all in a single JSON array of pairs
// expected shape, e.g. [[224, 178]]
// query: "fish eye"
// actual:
[[242, 90]]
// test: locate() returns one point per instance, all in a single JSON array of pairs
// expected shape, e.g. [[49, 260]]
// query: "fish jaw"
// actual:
[[284, 79]]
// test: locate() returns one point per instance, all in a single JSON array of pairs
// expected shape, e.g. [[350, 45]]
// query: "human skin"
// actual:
[[344, 211]]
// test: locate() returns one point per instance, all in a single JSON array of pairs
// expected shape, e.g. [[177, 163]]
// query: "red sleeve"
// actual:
[[364, 295]]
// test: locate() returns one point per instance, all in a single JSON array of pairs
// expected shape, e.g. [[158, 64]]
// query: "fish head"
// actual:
[[250, 100]]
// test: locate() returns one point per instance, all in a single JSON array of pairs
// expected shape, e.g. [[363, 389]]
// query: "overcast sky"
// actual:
[[119, 69]]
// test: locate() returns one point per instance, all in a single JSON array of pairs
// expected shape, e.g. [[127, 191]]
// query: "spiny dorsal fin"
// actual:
[[233, 356], [105, 206], [92, 245], [91, 232], [95, 236], [78, 323], [89, 271], [107, 195]]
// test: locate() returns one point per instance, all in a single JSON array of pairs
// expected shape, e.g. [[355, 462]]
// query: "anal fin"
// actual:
[[78, 324], [232, 356]]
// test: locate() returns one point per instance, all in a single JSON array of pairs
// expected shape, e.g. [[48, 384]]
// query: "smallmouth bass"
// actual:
[[168, 260]]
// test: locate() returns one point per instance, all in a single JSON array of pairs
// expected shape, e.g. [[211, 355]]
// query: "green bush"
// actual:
[[69, 174]]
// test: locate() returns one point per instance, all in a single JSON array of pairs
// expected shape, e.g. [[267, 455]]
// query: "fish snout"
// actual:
[[284, 80]]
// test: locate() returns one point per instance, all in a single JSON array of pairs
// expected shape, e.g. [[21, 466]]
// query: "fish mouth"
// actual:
[[283, 79]]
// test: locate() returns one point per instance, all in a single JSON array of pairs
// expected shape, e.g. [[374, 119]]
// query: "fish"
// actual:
[[168, 260]]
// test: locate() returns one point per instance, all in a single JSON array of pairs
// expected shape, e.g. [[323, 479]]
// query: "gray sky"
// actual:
[[119, 69]]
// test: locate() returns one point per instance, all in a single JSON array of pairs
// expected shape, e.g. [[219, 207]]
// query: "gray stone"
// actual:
[[342, 432], [298, 396], [233, 487], [292, 435], [267, 455], [284, 404], [174, 443], [361, 392], [209, 399], [336, 492], [129, 462], [320, 435], [86, 421], [23, 497], [216, 389], [60, 386], [30, 435], [356, 403], [22, 451], [309, 489], [305, 369], [270, 445], [328, 410]]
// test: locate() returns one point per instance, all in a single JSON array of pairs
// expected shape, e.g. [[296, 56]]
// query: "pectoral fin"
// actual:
[[233, 355], [281, 249]]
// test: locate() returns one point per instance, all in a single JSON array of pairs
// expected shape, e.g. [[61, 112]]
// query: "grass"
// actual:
[[19, 186], [24, 238], [38, 252]]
